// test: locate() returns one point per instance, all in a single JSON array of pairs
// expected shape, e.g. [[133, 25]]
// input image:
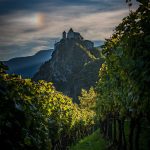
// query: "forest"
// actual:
[[34, 115]]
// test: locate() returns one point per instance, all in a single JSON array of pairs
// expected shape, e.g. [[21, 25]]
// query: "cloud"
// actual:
[[30, 25], [10, 51], [38, 48]]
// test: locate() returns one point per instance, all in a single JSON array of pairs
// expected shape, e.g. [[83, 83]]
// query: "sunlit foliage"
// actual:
[[36, 116]]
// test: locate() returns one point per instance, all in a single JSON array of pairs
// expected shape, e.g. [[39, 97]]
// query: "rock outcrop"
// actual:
[[73, 66]]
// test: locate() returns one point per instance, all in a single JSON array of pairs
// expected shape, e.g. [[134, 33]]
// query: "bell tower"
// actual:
[[64, 35]]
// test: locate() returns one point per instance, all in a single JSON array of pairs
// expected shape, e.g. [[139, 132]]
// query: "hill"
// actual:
[[28, 66], [74, 65]]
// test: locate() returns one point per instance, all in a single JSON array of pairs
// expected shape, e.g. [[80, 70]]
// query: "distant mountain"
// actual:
[[28, 66], [98, 43], [74, 65]]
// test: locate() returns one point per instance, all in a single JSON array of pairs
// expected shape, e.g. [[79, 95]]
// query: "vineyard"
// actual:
[[123, 87], [34, 115]]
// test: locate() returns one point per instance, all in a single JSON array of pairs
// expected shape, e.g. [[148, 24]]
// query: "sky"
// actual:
[[28, 26]]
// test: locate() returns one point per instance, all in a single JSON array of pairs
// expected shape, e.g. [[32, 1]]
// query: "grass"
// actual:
[[96, 142], [91, 142]]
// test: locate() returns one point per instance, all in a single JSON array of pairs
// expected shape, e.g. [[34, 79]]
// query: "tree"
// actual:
[[87, 99], [122, 89]]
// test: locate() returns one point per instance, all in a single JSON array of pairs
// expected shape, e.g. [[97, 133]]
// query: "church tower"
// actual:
[[70, 34], [64, 35]]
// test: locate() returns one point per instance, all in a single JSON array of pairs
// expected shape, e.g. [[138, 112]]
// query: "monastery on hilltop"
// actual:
[[72, 35], [76, 36]]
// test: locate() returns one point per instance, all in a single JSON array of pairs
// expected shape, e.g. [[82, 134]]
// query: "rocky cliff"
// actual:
[[73, 66]]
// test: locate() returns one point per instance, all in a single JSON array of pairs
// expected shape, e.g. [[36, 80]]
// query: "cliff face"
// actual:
[[71, 68]]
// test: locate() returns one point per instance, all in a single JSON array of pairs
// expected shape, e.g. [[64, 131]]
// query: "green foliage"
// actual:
[[123, 86], [36, 116], [125, 74], [3, 68], [88, 99], [89, 54], [22, 124]]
